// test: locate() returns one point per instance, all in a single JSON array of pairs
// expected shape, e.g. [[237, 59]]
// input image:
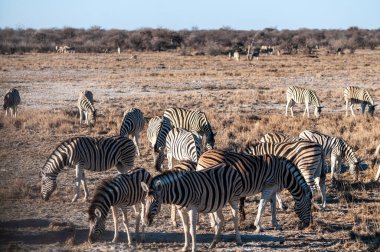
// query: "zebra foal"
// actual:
[[353, 95], [132, 124], [296, 94], [336, 148], [206, 191], [86, 153], [266, 174], [86, 108], [116, 194], [11, 101]]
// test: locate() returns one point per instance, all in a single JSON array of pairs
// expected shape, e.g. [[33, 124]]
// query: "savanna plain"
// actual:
[[243, 100]]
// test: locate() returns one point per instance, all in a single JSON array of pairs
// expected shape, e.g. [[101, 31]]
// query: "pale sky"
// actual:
[[203, 14]]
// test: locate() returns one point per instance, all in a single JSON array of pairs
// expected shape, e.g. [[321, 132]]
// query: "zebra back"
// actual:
[[208, 190], [183, 145], [133, 122], [276, 137], [357, 95], [307, 156]]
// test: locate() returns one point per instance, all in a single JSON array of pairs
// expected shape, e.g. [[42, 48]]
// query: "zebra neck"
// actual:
[[295, 183], [58, 160]]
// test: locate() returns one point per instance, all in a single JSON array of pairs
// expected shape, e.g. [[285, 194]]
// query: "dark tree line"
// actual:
[[211, 42]]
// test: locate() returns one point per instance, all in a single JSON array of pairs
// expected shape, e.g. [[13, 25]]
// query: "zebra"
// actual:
[[86, 108], [307, 156], [94, 154], [153, 129], [116, 194], [376, 159], [132, 124], [193, 121], [11, 101], [298, 95], [353, 95], [181, 145], [276, 137], [206, 191], [335, 147], [266, 174]]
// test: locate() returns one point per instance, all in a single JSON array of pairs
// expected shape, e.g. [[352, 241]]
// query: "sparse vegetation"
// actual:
[[243, 101]]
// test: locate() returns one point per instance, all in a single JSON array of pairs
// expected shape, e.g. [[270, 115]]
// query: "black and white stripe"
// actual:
[[118, 193], [132, 124], [86, 153], [354, 95], [181, 145], [86, 108], [154, 126], [193, 121], [307, 156], [11, 101], [376, 159], [268, 175], [302, 95], [206, 191], [276, 137], [336, 148]]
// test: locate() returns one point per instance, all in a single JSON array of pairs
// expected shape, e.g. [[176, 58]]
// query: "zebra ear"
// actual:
[[98, 213], [144, 186]]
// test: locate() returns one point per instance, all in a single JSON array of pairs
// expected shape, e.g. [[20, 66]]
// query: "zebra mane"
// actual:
[[168, 175]]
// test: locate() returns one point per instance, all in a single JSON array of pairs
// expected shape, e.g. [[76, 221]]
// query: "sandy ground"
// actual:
[[49, 85]]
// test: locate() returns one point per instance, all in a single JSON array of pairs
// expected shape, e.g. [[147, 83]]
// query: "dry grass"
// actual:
[[243, 100]]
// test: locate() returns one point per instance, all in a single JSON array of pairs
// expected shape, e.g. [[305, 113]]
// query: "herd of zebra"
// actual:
[[204, 179]]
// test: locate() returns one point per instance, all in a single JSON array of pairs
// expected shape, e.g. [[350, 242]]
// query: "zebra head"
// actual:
[[303, 210], [354, 169], [317, 111], [371, 109], [92, 117], [158, 157], [153, 200], [48, 185], [210, 141], [97, 224]]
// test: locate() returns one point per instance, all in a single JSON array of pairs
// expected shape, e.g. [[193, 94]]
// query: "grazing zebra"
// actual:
[[206, 191], [132, 124], [335, 147], [154, 126], [116, 194], [86, 108], [11, 101], [268, 175], [181, 145], [276, 137], [376, 159], [298, 95], [307, 156], [193, 121], [354, 95], [94, 154]]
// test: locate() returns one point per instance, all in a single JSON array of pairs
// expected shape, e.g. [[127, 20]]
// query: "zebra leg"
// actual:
[[363, 105], [234, 209], [306, 110], [136, 138], [346, 108], [286, 108], [84, 184], [218, 220], [333, 164], [352, 109], [137, 211], [115, 213], [241, 209], [377, 174], [142, 213], [78, 179], [322, 188], [185, 222], [273, 210], [212, 220], [281, 204], [193, 228], [291, 107], [173, 213], [258, 216]]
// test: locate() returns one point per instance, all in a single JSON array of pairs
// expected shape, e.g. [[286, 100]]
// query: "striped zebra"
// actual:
[[94, 154], [11, 101], [118, 193], [193, 121], [86, 108], [335, 147], [298, 95], [376, 159], [268, 175], [132, 124], [276, 137], [307, 156], [206, 191], [154, 126], [354, 95], [181, 145]]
